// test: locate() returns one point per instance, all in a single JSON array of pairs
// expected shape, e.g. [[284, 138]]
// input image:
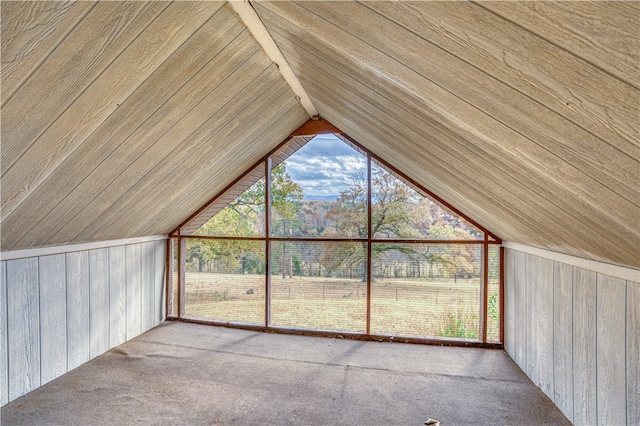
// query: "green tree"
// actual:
[[243, 217], [389, 218]]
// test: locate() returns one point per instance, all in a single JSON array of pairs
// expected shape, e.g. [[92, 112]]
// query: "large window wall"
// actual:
[[323, 236]]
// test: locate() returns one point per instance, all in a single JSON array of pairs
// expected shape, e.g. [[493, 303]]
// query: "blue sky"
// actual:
[[324, 165]]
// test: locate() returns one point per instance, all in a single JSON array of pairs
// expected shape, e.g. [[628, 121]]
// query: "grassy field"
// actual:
[[416, 307]]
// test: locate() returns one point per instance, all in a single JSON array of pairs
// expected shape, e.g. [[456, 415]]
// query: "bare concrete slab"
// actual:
[[182, 373]]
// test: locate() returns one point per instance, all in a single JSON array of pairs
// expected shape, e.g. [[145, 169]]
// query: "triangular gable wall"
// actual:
[[291, 145], [464, 263]]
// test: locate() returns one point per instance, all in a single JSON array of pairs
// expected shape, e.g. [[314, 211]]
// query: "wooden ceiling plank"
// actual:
[[201, 151], [541, 157], [463, 177], [30, 32], [422, 167], [569, 85], [346, 86], [219, 201], [178, 85], [245, 10], [514, 116], [262, 138], [194, 135], [530, 228], [242, 183], [154, 140], [318, 63], [239, 149], [603, 33], [103, 96], [390, 111], [86, 52]]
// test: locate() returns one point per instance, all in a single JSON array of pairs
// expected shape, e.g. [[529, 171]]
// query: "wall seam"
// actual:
[[596, 342], [108, 272], [39, 320], [553, 333], [89, 340], [6, 314], [573, 343], [626, 375]]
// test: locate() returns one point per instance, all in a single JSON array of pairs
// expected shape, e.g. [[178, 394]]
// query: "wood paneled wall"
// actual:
[[59, 311], [576, 334]]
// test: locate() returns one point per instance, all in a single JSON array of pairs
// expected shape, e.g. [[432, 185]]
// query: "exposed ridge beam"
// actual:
[[253, 22], [317, 126]]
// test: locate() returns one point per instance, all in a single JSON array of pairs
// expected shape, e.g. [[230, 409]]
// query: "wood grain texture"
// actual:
[[106, 94], [563, 338], [23, 325], [99, 289], [202, 151], [603, 33], [144, 130], [78, 316], [178, 116], [584, 347], [117, 296], [611, 352], [53, 316], [159, 288], [522, 307], [133, 264], [532, 149], [284, 116], [509, 229], [71, 307], [86, 52], [415, 129], [509, 304], [4, 358], [569, 85], [540, 289], [346, 52], [97, 161], [30, 31], [531, 345], [147, 287], [480, 89], [633, 353]]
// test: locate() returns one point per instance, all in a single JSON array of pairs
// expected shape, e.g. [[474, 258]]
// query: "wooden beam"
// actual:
[[253, 22], [314, 127]]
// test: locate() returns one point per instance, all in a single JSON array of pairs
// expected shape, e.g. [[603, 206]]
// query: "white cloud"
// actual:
[[324, 166]]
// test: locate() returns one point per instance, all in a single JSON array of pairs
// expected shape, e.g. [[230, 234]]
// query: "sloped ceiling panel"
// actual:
[[531, 132], [121, 118]]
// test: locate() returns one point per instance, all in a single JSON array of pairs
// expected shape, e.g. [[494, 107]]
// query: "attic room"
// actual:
[[198, 222]]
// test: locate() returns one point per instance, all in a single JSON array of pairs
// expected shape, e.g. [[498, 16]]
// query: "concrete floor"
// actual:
[[182, 373]]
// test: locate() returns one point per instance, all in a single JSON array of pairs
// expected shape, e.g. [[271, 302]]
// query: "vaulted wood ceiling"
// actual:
[[119, 119]]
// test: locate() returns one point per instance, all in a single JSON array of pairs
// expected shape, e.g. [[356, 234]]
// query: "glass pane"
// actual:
[[225, 280], [398, 211], [426, 290], [173, 278], [242, 217], [493, 308], [320, 191], [319, 285]]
